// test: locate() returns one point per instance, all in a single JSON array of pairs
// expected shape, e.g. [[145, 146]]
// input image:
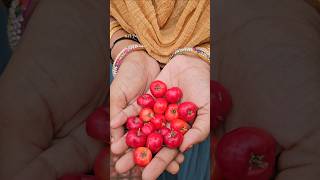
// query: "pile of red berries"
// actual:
[[162, 121]]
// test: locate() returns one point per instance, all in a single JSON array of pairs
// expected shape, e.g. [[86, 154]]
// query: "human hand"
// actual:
[[192, 75]]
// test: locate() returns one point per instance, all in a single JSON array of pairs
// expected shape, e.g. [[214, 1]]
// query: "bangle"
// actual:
[[202, 53], [132, 37], [119, 59]]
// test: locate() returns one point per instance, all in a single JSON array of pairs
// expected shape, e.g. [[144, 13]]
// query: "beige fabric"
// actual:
[[165, 25]]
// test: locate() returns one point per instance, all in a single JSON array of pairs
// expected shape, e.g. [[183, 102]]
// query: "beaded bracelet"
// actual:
[[132, 37], [202, 53], [119, 59]]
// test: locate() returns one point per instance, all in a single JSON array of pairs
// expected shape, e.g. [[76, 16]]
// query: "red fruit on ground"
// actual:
[[134, 123], [246, 153], [97, 124], [220, 102], [101, 165], [164, 130], [158, 121], [158, 88], [145, 101], [142, 156], [78, 177], [187, 111], [172, 112], [136, 138], [146, 114], [148, 128], [154, 142], [180, 125], [160, 106], [173, 139], [174, 95]]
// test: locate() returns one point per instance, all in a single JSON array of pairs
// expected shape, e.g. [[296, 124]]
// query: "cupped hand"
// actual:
[[192, 75]]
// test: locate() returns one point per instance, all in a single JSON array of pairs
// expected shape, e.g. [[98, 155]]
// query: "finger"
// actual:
[[120, 146], [116, 134], [199, 132], [75, 153], [159, 163], [121, 118], [180, 158], [125, 163], [173, 167]]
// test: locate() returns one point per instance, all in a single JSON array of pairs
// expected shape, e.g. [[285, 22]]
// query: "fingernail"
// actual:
[[112, 139]]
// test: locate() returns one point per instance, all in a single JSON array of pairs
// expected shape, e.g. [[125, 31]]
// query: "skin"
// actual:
[[55, 79], [269, 61]]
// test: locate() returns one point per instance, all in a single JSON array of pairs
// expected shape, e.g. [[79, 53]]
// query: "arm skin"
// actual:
[[55, 79], [268, 57]]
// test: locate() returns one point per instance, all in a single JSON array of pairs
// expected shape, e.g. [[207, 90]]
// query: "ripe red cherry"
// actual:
[[145, 100], [134, 123], [146, 114], [164, 130], [154, 142], [158, 121], [148, 128], [158, 88], [221, 103], [246, 153], [142, 156], [173, 139], [174, 94], [171, 112], [136, 138], [160, 106], [78, 177], [97, 124], [187, 111], [180, 125], [101, 164]]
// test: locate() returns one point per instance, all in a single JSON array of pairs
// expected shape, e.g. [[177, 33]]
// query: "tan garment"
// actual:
[[163, 26]]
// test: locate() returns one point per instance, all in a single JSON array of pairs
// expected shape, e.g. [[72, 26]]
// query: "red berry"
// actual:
[[180, 125], [136, 138], [246, 153], [142, 156], [174, 95], [134, 123], [158, 88], [160, 106], [187, 111], [172, 112], [101, 164], [154, 142], [173, 139], [146, 114], [97, 124], [145, 100], [158, 121], [164, 130], [221, 103], [148, 128], [78, 177]]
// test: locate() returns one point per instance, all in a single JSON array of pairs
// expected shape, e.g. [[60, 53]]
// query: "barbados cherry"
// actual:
[[246, 153], [158, 121], [97, 124], [158, 88], [180, 125], [142, 156], [187, 111], [154, 142], [164, 130], [174, 94], [136, 138], [171, 112], [173, 139], [145, 101], [100, 165], [160, 106], [147, 128], [146, 114], [134, 123]]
